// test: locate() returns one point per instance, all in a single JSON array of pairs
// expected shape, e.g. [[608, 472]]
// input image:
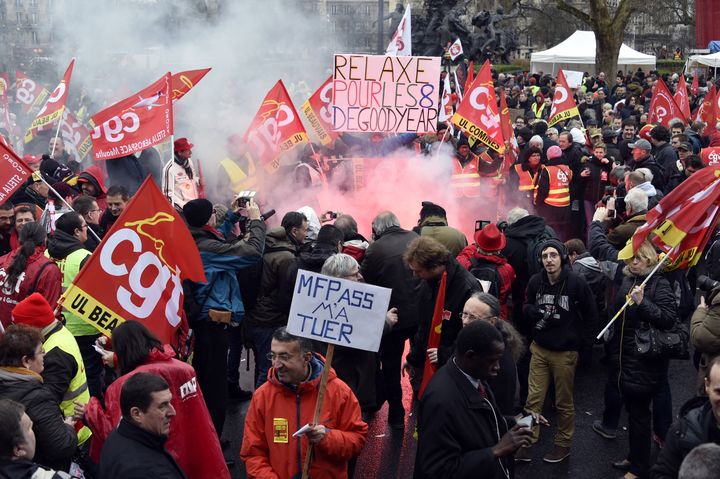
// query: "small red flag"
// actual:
[[681, 98], [318, 111], [435, 333], [54, 106], [563, 105], [695, 85], [663, 108], [28, 92], [706, 113]]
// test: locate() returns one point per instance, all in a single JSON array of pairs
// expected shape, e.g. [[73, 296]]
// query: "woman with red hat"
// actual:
[[484, 260]]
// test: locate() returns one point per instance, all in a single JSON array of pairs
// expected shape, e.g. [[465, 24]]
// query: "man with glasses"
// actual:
[[285, 403], [561, 310], [88, 208]]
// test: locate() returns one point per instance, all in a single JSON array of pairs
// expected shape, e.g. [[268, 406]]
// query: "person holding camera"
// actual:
[[705, 331], [561, 309]]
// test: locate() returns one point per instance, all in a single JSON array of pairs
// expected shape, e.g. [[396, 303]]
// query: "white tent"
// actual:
[[712, 60], [577, 52]]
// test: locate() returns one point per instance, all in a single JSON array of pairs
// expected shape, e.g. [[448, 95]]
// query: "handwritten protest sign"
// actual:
[[376, 93], [338, 311]]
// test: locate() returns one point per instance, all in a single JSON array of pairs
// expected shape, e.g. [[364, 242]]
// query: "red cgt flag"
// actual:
[[183, 82], [681, 98], [435, 333], [13, 172], [54, 106], [663, 108], [317, 110], [710, 155], [695, 85], [682, 220], [563, 105], [275, 129], [135, 123], [706, 112], [29, 93], [137, 271], [478, 114]]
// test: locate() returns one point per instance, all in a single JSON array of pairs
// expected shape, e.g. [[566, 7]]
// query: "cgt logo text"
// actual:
[[188, 389]]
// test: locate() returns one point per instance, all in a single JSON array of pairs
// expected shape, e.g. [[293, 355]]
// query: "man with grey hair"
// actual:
[[642, 180], [703, 462], [354, 243], [384, 266], [553, 134]]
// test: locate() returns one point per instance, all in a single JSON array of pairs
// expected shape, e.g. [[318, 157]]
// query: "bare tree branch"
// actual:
[[624, 10], [577, 13]]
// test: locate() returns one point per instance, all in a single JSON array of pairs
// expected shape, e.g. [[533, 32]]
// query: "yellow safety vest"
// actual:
[[78, 388], [69, 267], [239, 180]]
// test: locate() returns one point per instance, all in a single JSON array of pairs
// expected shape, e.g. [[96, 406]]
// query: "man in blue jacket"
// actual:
[[218, 304]]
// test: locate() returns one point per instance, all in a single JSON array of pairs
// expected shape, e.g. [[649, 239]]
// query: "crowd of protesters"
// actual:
[[523, 302]]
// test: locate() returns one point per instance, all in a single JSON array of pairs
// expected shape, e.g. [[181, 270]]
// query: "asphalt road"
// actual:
[[390, 454]]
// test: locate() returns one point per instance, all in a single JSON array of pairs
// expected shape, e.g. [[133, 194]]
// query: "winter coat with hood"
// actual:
[[506, 271], [269, 449], [384, 266], [705, 336], [655, 168], [695, 425], [41, 275], [221, 261], [94, 176], [666, 156], [637, 374], [437, 227], [459, 287], [192, 440], [56, 441], [654, 195], [279, 255], [589, 269]]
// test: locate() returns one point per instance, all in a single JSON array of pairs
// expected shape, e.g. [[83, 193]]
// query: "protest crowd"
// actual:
[[579, 205]]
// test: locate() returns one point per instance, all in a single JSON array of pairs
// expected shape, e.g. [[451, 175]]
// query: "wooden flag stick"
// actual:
[[319, 404]]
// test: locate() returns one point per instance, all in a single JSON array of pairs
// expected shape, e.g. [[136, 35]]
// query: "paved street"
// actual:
[[390, 454]]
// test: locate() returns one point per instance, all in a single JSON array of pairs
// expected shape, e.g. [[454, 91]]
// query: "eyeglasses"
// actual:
[[474, 317], [282, 357], [550, 256], [355, 275]]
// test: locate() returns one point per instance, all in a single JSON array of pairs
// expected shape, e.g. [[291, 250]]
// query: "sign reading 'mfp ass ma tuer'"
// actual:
[[338, 311], [389, 94]]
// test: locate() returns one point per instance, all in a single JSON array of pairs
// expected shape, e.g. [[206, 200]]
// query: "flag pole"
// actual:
[[318, 406], [57, 132], [629, 301], [67, 204]]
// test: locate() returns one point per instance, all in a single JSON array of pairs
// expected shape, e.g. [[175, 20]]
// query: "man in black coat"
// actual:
[[461, 432], [135, 450], [664, 154], [641, 158], [384, 266]]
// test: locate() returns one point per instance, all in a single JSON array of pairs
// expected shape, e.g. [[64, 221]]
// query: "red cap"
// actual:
[[31, 159], [182, 144], [490, 238], [33, 311]]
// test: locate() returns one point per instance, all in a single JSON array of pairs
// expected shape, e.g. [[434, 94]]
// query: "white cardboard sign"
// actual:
[[338, 311]]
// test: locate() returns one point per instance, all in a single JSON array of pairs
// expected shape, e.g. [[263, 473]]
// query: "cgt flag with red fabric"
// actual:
[[663, 108], [135, 123], [29, 93], [682, 220], [137, 271], [478, 114], [54, 106], [681, 98], [706, 111], [76, 136], [695, 84], [439, 314], [710, 155], [181, 83], [563, 105], [13, 172], [275, 129], [317, 109]]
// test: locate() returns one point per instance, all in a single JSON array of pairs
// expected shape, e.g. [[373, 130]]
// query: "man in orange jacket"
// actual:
[[286, 402]]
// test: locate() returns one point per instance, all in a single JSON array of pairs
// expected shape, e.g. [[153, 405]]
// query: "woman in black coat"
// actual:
[[640, 378]]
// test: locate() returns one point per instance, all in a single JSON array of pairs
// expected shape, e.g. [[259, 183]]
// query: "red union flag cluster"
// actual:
[[28, 92], [275, 129], [318, 111], [135, 123], [137, 271], [683, 220], [563, 105]]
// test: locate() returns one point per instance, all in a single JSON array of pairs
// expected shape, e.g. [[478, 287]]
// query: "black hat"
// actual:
[[198, 212], [608, 134], [431, 209], [553, 243]]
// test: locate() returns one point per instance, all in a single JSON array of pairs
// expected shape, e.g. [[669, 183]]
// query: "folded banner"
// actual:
[[684, 218], [563, 105], [663, 108], [54, 106], [478, 114], [275, 129], [29, 93], [318, 111], [13, 172], [137, 271], [135, 123], [183, 82], [682, 100]]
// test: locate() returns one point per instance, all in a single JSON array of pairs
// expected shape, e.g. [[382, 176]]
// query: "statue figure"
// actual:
[[395, 19]]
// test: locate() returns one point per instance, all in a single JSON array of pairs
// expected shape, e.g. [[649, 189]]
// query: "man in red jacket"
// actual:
[[286, 402]]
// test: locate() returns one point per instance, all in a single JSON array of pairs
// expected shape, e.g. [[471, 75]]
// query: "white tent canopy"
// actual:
[[577, 52], [712, 60]]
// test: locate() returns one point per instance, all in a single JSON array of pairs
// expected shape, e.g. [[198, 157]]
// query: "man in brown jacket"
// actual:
[[705, 334], [636, 202]]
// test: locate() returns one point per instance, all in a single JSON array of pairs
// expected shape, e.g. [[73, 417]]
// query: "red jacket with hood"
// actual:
[[506, 271], [269, 449], [192, 440], [94, 175]]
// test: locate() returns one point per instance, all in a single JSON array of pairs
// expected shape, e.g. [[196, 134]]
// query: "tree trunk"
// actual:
[[607, 49]]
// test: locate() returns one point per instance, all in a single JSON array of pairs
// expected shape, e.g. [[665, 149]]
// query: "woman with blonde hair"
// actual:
[[640, 378]]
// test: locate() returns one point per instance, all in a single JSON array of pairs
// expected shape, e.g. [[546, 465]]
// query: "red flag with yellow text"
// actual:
[[54, 106], [681, 98], [275, 129], [563, 105], [183, 82], [439, 314], [29, 93], [137, 271], [681, 220], [663, 108], [478, 114], [317, 110]]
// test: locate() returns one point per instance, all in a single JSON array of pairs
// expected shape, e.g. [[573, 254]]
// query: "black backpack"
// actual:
[[534, 264], [487, 271]]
